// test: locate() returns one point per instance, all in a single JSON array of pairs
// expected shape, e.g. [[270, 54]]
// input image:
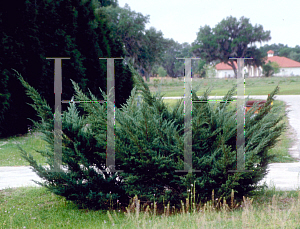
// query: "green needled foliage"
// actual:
[[149, 148], [82, 147]]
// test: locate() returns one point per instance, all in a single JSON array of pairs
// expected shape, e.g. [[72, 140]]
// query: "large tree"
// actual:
[[169, 59], [143, 48], [128, 27], [229, 39], [33, 30], [175, 67], [152, 50]]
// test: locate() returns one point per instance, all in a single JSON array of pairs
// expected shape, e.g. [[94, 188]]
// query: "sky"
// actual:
[[181, 20]]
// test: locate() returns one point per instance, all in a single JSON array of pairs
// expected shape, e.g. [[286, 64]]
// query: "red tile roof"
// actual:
[[223, 66], [284, 62], [281, 60], [270, 51]]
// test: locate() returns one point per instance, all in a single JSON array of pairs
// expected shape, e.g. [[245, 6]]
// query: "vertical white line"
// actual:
[[57, 115]]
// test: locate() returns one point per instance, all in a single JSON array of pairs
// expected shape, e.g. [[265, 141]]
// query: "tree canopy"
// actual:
[[175, 67], [143, 48], [230, 39], [271, 68], [33, 30]]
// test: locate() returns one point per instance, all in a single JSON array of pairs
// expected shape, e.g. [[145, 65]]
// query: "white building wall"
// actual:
[[253, 71], [258, 72], [225, 74], [288, 72]]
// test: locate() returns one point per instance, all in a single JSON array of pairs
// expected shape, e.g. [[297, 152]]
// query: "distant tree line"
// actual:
[[283, 50], [88, 29]]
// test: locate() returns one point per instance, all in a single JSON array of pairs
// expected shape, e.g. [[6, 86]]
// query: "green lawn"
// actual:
[[34, 207], [10, 154], [253, 86]]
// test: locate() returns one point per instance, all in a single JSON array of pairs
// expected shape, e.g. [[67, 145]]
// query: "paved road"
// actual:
[[284, 175]]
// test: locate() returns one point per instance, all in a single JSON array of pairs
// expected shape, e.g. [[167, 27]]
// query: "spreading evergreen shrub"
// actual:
[[149, 146]]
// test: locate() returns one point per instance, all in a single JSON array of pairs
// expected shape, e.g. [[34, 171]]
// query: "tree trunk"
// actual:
[[235, 72], [147, 76], [231, 64]]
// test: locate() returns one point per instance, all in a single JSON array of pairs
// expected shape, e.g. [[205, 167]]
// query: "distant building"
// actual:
[[288, 67]]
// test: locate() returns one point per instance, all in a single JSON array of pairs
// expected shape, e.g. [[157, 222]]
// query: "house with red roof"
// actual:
[[288, 67]]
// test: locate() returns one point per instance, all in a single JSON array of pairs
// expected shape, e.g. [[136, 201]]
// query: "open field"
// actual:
[[34, 207], [253, 86]]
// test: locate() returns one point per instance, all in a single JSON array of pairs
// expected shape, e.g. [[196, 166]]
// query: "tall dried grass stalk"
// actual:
[[232, 198]]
